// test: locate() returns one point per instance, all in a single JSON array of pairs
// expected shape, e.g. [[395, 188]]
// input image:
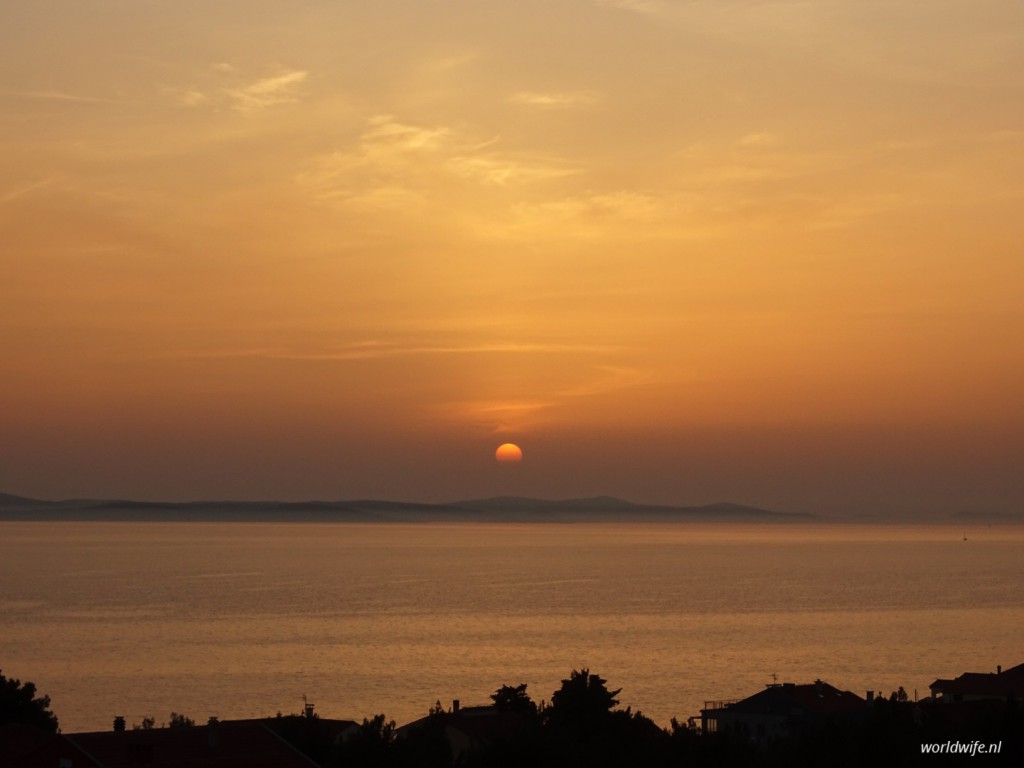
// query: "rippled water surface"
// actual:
[[242, 620]]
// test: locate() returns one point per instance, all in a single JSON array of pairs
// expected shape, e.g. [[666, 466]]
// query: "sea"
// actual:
[[240, 620]]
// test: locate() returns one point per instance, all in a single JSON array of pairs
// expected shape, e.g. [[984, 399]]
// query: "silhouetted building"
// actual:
[[228, 744], [978, 686], [781, 710], [26, 746], [239, 744], [469, 728]]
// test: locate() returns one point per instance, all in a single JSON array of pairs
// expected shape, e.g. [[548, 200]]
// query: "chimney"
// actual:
[[119, 724], [455, 705], [212, 734], [999, 669], [871, 696], [308, 709]]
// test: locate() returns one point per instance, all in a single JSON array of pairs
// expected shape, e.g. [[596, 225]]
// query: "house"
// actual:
[[781, 709], [469, 728], [26, 746], [978, 686], [266, 743], [229, 744]]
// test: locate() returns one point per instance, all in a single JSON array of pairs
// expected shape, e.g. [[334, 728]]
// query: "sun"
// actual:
[[508, 453]]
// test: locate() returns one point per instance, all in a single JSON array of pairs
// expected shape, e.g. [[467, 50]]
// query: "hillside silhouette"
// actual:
[[501, 509]]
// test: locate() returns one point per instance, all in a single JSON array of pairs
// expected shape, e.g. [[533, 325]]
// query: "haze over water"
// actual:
[[242, 620]]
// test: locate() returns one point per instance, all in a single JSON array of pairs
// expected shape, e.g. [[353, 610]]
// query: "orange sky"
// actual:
[[769, 252]]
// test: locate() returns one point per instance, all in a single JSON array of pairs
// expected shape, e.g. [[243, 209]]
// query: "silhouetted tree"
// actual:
[[583, 699], [509, 699], [579, 727], [176, 721], [19, 704], [371, 746], [180, 721]]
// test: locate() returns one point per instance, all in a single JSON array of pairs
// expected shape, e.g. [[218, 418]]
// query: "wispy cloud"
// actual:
[[381, 170], [497, 416], [758, 140], [602, 214], [244, 95], [386, 134], [371, 349], [396, 162], [843, 212], [25, 190], [549, 99], [192, 97], [268, 92], [512, 414], [503, 170], [56, 96], [609, 378], [650, 7], [956, 44]]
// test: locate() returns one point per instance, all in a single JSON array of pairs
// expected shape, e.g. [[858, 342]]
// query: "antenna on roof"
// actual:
[[775, 679]]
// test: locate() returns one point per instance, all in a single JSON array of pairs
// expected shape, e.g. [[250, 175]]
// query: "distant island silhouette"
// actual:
[[500, 509]]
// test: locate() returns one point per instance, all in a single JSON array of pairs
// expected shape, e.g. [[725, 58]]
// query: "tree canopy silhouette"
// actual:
[[19, 704], [514, 699], [180, 721], [582, 698]]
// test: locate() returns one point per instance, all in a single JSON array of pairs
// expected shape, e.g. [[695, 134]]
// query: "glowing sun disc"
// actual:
[[508, 453]]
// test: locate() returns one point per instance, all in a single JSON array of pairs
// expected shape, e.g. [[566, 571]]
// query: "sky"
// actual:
[[761, 251]]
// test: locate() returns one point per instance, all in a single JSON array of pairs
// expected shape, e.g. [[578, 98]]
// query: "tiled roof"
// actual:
[[998, 684], [28, 747], [817, 698], [242, 744], [479, 724]]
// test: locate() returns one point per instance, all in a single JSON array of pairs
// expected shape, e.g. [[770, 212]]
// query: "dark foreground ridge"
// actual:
[[504, 509], [977, 715]]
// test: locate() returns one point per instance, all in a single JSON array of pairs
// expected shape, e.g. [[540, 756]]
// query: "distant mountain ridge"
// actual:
[[7, 500], [495, 509], [600, 506]]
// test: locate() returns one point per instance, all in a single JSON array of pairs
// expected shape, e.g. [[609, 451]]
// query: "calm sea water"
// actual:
[[240, 620]]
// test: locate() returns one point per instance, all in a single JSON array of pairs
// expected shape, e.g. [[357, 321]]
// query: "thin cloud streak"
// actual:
[[58, 96], [519, 416], [547, 99], [268, 92], [25, 190], [614, 378], [396, 164], [375, 350], [254, 96]]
